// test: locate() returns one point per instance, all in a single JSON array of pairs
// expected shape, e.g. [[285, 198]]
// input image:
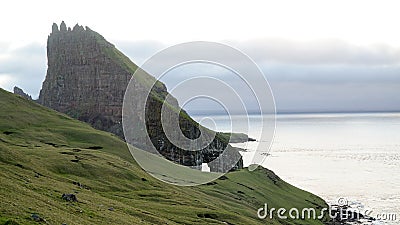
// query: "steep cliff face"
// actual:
[[82, 81], [87, 78]]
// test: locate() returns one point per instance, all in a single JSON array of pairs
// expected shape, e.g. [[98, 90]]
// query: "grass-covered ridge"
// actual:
[[122, 60], [44, 154]]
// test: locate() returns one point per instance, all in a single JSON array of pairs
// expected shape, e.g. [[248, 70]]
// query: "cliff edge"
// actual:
[[87, 78]]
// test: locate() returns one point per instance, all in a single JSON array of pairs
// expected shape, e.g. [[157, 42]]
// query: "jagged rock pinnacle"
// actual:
[[54, 28], [63, 27]]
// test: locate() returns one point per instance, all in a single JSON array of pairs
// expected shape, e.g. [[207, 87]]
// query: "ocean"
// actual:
[[353, 156]]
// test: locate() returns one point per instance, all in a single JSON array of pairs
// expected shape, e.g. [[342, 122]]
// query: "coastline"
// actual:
[[332, 154]]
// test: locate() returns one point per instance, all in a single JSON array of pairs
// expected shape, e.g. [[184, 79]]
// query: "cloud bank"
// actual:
[[321, 75], [23, 66]]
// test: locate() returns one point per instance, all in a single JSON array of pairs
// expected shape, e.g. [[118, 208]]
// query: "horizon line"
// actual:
[[192, 113]]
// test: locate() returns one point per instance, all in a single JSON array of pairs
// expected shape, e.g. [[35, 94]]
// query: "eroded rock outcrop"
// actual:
[[20, 92], [87, 78]]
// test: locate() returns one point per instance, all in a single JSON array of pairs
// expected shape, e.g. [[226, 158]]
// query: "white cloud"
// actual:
[[176, 21], [303, 45], [23, 66], [6, 81], [320, 51]]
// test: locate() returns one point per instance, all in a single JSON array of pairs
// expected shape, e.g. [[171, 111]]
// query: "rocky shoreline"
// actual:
[[347, 215]]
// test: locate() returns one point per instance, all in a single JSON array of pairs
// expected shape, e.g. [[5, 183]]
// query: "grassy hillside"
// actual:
[[44, 154]]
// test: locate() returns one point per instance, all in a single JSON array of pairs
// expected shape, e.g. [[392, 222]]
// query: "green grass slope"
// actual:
[[44, 154]]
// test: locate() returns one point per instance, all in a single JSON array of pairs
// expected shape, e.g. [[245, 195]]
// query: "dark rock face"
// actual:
[[20, 92], [82, 81], [87, 78], [190, 130]]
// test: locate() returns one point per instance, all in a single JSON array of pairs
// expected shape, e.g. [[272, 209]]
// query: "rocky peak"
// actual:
[[87, 78], [82, 80]]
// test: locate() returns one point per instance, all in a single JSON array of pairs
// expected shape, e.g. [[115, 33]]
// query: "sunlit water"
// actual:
[[353, 156]]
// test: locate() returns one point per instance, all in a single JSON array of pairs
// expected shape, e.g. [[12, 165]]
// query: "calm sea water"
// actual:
[[352, 156]]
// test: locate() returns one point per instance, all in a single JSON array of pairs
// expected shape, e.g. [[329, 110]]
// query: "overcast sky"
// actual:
[[317, 55]]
